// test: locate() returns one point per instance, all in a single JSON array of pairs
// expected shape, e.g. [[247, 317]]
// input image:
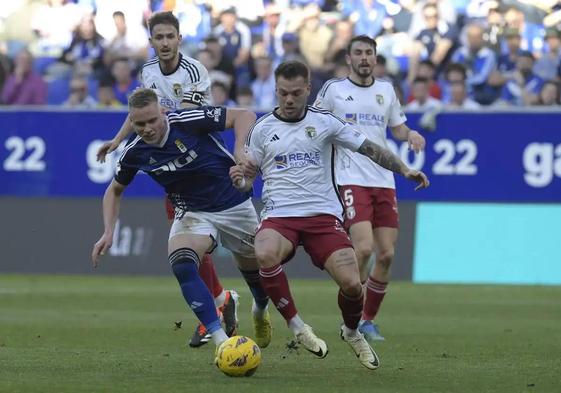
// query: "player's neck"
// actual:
[[360, 81], [169, 66]]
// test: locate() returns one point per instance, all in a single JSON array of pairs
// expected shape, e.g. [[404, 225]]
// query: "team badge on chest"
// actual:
[[380, 99], [177, 90], [182, 148], [310, 132]]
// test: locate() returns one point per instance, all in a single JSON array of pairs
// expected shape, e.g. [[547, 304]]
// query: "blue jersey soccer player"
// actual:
[[182, 152]]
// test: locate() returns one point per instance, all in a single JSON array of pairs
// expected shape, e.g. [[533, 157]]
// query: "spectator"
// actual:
[[367, 16], [454, 73], [244, 98], [459, 98], [86, 48], [127, 42], [546, 66], [195, 23], [219, 92], [291, 48], [523, 87], [23, 86], [550, 94], [337, 48], [212, 44], [314, 37], [507, 61], [427, 70], [125, 83], [263, 87], [79, 97], [480, 61], [422, 101], [273, 29], [235, 39], [106, 95], [434, 42], [531, 33]]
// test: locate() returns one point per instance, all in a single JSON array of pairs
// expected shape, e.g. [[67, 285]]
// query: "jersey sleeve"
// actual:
[[396, 115], [253, 146], [204, 119], [199, 93], [141, 78], [324, 98], [124, 172], [345, 135]]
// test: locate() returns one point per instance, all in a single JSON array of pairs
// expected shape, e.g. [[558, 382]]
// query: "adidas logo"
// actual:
[[152, 161], [282, 303], [153, 86], [274, 138], [349, 98], [195, 305]]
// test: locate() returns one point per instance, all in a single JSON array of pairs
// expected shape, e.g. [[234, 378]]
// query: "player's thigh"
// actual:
[[271, 247], [385, 239], [358, 204], [342, 266], [236, 228], [362, 237], [193, 231]]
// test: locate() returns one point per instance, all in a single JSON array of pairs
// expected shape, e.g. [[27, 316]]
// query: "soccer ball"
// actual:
[[239, 356]]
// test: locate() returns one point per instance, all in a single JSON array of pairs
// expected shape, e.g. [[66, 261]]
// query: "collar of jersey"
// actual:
[[166, 136], [289, 120], [176, 67], [356, 84]]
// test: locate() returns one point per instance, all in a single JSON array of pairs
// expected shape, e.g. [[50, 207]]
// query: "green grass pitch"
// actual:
[[116, 334]]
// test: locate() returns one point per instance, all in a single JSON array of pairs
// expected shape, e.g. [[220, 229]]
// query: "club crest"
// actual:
[[177, 90], [310, 132], [380, 99], [182, 148]]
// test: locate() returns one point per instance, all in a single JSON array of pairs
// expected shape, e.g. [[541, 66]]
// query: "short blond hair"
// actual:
[[142, 97]]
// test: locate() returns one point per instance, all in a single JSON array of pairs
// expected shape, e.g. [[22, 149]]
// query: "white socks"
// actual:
[[296, 324]]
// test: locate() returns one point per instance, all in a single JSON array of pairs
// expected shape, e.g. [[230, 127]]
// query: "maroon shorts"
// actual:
[[320, 235], [374, 204], [170, 211]]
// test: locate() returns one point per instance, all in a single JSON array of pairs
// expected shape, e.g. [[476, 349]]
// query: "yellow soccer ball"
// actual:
[[239, 356]]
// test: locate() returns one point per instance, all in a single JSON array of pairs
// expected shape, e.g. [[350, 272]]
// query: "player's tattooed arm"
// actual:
[[382, 157]]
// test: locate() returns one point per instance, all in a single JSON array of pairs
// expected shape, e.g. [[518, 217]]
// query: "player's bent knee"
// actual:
[[267, 257], [351, 287], [184, 263], [385, 258], [363, 250]]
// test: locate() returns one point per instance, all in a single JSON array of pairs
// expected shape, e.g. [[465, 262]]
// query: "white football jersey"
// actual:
[[296, 161], [188, 83], [370, 109]]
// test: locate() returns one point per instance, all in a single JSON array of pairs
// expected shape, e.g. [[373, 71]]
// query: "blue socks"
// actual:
[[185, 265], [252, 279]]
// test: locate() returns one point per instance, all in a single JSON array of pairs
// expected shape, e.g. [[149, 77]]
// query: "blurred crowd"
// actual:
[[439, 54]]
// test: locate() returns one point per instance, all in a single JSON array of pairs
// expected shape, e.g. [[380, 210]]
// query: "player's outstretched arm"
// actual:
[[111, 205], [241, 120], [388, 160], [110, 146], [414, 139]]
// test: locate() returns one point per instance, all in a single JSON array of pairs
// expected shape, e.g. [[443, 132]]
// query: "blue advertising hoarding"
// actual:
[[489, 156]]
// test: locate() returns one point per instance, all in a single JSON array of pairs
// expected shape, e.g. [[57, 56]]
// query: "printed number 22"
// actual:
[[18, 147], [464, 166]]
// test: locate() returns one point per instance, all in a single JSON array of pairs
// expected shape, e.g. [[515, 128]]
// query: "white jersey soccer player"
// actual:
[[299, 157], [188, 83], [293, 147], [368, 190], [370, 109]]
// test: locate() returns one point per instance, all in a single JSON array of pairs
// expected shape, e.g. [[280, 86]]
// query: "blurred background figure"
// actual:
[[23, 86], [459, 98], [79, 96], [127, 42], [106, 95], [523, 86], [220, 94], [422, 101], [244, 98], [125, 83], [263, 87], [550, 94]]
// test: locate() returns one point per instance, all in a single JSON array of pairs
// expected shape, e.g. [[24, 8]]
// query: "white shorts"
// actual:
[[234, 227]]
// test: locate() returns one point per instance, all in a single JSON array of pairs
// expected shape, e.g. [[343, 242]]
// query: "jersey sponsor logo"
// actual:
[[214, 113], [168, 103], [380, 99], [177, 90], [365, 119], [310, 132], [350, 118], [298, 160], [349, 98], [176, 164], [182, 148]]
